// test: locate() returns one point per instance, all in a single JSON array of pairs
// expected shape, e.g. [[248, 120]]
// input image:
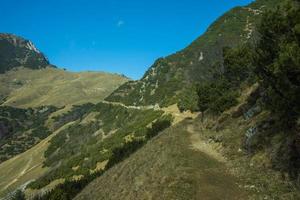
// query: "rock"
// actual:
[[253, 111], [240, 110]]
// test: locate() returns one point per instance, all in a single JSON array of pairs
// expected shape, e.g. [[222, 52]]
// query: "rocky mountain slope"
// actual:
[[16, 51]]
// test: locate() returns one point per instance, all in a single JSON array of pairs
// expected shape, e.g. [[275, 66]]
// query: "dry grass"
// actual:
[[177, 115], [31, 88], [166, 168]]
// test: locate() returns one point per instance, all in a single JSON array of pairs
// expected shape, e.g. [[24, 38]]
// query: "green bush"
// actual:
[[188, 100], [216, 97], [123, 152], [19, 195], [224, 102], [277, 61], [157, 127]]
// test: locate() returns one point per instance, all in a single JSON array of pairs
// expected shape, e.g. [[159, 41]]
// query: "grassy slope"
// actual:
[[91, 140], [167, 77], [185, 162], [229, 134], [51, 86], [25, 167], [168, 167]]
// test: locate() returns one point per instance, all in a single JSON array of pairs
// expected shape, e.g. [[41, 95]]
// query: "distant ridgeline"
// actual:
[[16, 51], [168, 78], [27, 79]]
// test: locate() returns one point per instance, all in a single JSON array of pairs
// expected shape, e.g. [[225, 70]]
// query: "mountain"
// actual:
[[31, 90], [257, 134], [16, 51], [27, 79], [165, 81], [240, 142]]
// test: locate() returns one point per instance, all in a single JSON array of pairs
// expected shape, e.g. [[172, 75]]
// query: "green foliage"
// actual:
[[84, 144], [83, 141], [76, 113], [216, 97], [20, 129], [159, 82], [224, 102], [204, 97], [19, 195], [238, 64], [277, 61], [158, 126], [123, 152], [188, 99], [69, 189]]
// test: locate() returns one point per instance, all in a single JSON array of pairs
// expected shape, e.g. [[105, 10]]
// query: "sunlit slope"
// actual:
[[50, 86], [170, 166], [165, 81], [26, 167]]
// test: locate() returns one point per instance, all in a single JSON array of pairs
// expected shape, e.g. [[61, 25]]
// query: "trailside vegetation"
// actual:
[[70, 188]]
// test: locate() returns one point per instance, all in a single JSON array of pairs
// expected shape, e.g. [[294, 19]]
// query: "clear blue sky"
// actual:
[[123, 36]]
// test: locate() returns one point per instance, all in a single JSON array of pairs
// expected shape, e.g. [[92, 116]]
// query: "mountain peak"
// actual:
[[16, 52]]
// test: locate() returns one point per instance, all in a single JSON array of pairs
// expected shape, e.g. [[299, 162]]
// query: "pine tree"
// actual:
[[277, 61]]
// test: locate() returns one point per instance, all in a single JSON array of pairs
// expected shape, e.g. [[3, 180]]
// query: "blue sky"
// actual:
[[121, 36]]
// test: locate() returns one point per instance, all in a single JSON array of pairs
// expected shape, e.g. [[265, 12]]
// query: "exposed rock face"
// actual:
[[16, 51]]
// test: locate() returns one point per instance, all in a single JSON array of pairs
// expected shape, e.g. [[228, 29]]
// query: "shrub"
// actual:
[[19, 195], [157, 127]]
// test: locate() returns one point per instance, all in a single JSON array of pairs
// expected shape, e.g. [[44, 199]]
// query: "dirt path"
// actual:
[[24, 167], [174, 165], [198, 144]]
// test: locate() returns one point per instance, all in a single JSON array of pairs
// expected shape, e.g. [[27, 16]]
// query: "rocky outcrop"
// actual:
[[16, 51]]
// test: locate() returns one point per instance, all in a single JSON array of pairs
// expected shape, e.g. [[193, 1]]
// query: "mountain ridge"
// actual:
[[24, 87], [164, 81], [16, 51]]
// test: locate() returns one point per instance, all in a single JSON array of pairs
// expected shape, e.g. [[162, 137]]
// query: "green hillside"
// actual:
[[21, 129], [196, 160], [250, 115], [90, 142], [166, 79], [169, 167]]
